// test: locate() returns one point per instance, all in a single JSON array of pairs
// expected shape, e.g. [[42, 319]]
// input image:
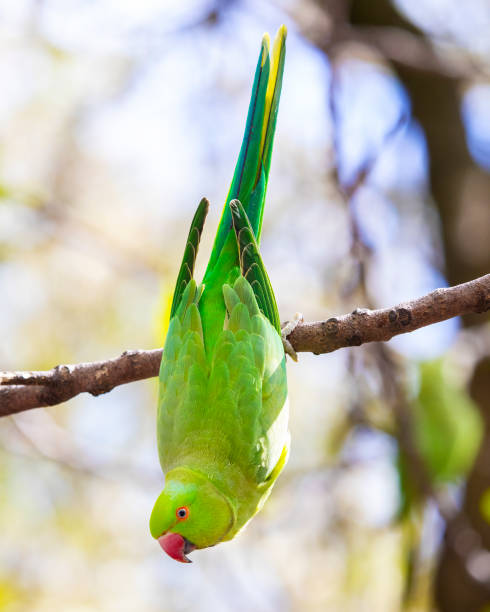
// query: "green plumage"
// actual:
[[222, 414]]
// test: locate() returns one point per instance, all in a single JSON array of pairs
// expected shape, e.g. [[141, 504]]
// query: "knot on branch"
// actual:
[[332, 326], [400, 317]]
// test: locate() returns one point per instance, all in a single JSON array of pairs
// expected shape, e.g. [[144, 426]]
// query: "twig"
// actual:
[[21, 391]]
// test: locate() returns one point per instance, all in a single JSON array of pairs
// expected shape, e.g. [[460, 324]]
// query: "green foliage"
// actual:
[[447, 425], [447, 430]]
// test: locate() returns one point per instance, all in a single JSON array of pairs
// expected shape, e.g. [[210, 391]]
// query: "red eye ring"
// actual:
[[182, 513]]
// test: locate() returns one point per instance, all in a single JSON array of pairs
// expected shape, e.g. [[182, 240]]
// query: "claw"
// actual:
[[287, 329]]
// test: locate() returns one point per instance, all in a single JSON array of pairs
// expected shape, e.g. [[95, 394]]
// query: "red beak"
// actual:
[[176, 546]]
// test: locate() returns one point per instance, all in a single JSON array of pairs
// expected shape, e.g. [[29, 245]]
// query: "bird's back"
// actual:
[[227, 409]]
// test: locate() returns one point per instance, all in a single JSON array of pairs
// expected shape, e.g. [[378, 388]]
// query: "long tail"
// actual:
[[249, 182]]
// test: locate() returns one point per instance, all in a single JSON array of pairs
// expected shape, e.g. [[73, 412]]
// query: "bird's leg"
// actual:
[[287, 329]]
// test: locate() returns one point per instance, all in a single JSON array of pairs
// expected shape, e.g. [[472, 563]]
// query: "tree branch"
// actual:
[[24, 390], [363, 325], [21, 391]]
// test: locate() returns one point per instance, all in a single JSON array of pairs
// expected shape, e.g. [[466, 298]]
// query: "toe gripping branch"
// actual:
[[287, 329]]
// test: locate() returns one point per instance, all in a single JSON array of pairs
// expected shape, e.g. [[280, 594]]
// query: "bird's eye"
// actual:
[[182, 513]]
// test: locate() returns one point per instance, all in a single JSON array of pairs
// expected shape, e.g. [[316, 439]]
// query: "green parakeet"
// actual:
[[222, 422]]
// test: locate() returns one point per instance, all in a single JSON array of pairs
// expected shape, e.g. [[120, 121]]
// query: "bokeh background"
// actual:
[[116, 117]]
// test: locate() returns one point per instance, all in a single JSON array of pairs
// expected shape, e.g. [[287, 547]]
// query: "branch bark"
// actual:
[[21, 391], [363, 325]]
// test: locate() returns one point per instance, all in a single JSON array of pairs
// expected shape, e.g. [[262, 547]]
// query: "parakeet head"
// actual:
[[190, 513]]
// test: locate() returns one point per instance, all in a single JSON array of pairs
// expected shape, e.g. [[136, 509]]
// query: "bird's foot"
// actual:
[[287, 329]]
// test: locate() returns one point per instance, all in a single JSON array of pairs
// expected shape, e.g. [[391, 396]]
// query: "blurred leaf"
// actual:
[[4, 191], [161, 316], [9, 594], [447, 429], [485, 505], [447, 424], [409, 495]]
